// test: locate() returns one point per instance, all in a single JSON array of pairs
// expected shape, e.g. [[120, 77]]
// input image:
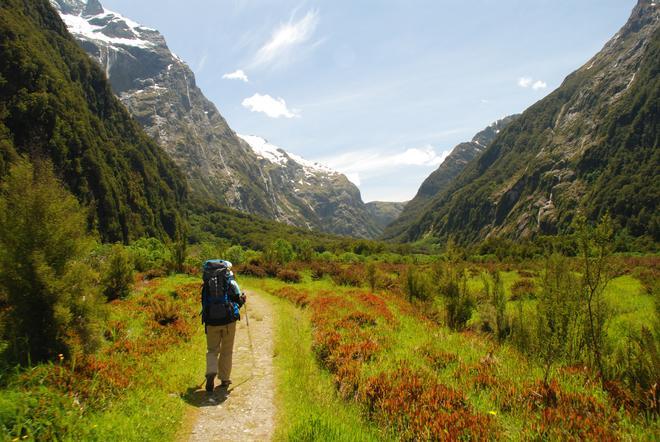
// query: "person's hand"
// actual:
[[243, 298]]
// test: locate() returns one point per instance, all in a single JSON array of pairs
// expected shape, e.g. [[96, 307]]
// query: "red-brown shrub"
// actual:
[[288, 275]]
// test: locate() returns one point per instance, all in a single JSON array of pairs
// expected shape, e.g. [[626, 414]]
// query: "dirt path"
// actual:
[[246, 412]]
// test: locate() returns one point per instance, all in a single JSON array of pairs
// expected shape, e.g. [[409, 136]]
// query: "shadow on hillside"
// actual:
[[198, 397]]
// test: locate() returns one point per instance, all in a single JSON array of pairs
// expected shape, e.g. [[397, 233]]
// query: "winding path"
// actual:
[[247, 411]]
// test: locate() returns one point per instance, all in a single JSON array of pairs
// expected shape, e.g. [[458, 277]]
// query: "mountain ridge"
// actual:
[[56, 104], [159, 90], [591, 146], [440, 178]]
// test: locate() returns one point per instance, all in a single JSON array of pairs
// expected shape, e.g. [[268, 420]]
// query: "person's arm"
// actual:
[[237, 296]]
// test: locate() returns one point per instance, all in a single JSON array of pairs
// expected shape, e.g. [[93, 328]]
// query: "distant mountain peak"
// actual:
[[90, 21], [263, 149]]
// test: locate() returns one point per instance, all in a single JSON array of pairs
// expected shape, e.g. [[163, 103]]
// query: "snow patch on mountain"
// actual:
[[277, 155], [94, 27], [265, 150]]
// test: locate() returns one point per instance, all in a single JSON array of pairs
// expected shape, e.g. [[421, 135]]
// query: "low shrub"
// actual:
[[251, 270], [522, 289], [350, 276], [289, 275]]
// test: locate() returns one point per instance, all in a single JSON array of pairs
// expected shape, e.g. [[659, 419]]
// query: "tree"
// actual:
[[179, 250], [558, 313], [280, 252], [118, 273], [305, 250], [54, 305], [595, 245]]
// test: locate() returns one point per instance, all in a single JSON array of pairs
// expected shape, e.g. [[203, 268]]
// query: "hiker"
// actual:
[[221, 301]]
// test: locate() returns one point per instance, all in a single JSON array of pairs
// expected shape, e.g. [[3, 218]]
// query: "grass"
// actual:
[[501, 388], [309, 408], [58, 402]]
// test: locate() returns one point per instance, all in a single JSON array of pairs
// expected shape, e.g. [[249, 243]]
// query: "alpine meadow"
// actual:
[[168, 273]]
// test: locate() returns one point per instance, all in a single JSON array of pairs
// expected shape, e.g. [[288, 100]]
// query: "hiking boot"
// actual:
[[209, 382], [225, 384]]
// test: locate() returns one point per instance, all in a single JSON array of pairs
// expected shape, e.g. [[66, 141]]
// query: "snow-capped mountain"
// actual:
[[159, 90], [321, 194]]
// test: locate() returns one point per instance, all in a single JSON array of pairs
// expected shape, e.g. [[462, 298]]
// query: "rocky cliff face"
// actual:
[[384, 212], [325, 199], [56, 104], [159, 90], [591, 145], [442, 177]]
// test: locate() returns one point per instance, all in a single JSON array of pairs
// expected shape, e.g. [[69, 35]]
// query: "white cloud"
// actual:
[[285, 37], [236, 75], [358, 164], [527, 82], [539, 84], [273, 107]]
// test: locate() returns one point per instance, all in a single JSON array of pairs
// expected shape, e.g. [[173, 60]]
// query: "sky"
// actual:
[[380, 90]]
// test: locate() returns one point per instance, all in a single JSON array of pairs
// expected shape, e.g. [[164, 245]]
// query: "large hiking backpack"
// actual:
[[217, 306]]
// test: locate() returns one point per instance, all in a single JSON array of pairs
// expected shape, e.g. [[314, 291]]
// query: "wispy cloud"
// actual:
[[286, 37], [236, 75], [370, 163], [272, 107], [201, 64], [527, 82]]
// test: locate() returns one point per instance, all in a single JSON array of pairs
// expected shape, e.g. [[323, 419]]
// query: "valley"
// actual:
[[516, 296]]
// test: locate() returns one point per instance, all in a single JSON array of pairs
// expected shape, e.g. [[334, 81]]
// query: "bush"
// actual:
[[149, 254], [117, 273], [251, 270], [319, 269], [557, 311], [235, 255], [288, 275], [280, 252], [53, 303], [458, 301], [522, 289], [350, 276], [417, 285]]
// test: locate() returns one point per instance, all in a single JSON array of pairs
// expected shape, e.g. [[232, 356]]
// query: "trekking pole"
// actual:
[[247, 318], [254, 360]]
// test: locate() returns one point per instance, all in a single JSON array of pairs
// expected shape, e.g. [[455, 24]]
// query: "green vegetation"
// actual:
[[606, 159], [56, 104], [133, 388], [519, 361], [48, 292], [308, 406]]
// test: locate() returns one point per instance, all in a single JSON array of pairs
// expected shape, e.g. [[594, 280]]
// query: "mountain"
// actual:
[[590, 146], [442, 177], [159, 90], [321, 198], [56, 104], [384, 212]]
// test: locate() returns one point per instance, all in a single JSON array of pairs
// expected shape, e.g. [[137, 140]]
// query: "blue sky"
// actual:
[[378, 89]]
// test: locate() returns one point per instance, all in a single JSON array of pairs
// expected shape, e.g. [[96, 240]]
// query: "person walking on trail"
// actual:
[[221, 302]]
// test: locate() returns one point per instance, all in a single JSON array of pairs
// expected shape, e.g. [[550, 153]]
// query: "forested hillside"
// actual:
[[443, 176], [590, 146], [56, 105], [245, 173]]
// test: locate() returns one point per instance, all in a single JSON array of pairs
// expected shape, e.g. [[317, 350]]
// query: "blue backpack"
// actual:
[[217, 305]]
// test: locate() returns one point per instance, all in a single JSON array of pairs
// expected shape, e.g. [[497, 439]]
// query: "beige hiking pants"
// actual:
[[219, 346]]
